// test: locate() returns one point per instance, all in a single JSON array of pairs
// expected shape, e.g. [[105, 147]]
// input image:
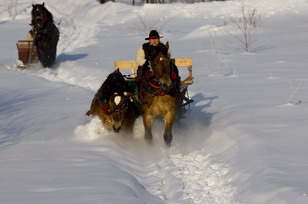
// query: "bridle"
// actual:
[[42, 17], [153, 67], [152, 86], [33, 21], [118, 108]]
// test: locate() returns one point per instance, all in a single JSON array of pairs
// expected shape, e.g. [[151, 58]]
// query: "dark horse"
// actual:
[[158, 95], [114, 104], [45, 34]]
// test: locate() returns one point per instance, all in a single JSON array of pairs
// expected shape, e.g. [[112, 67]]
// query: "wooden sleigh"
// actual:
[[27, 53], [183, 99]]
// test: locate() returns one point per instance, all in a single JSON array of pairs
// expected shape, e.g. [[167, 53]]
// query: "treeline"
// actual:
[[138, 2]]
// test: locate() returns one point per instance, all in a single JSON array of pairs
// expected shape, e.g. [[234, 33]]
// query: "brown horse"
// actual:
[[114, 104], [158, 95]]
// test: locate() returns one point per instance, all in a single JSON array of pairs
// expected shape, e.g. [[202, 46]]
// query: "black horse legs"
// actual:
[[46, 60]]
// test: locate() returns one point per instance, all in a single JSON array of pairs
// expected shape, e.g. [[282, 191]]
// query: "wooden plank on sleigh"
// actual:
[[179, 62], [26, 52], [182, 62], [122, 65]]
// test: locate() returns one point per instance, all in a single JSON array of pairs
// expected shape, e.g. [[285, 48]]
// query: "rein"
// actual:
[[47, 26]]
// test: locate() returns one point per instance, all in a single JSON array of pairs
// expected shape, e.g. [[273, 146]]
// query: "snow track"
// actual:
[[175, 175]]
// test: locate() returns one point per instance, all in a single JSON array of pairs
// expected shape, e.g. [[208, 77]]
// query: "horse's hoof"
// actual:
[[116, 129], [168, 139], [148, 140]]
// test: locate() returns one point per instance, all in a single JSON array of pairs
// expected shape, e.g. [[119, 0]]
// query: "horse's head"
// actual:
[[160, 67], [117, 108], [40, 16]]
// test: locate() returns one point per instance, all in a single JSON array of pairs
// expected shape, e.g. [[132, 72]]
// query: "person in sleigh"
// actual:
[[148, 50]]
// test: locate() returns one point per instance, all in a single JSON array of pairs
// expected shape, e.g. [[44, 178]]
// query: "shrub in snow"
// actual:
[[12, 8], [292, 92], [246, 24]]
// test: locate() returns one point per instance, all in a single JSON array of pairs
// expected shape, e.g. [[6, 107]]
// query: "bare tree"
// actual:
[[293, 89], [247, 23], [148, 24], [12, 8], [155, 1]]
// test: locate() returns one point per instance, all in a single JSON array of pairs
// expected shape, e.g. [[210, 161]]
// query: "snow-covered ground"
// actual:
[[245, 140]]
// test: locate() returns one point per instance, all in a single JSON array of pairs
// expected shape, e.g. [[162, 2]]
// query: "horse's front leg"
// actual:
[[169, 118], [147, 122]]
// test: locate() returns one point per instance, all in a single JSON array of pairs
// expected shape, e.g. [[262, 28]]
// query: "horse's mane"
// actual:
[[160, 48], [115, 83], [48, 14]]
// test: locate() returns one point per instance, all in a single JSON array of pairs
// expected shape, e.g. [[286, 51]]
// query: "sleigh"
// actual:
[[183, 100], [27, 53]]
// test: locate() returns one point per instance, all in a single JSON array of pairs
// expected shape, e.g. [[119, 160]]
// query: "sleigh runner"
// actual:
[[183, 100]]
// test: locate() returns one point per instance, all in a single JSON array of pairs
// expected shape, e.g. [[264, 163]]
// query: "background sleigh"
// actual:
[[183, 100], [27, 53]]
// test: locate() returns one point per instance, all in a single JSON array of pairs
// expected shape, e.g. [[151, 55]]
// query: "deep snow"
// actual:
[[243, 142]]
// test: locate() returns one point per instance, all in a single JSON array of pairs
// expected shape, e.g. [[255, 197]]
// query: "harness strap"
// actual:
[[154, 89], [154, 86], [105, 108], [89, 112]]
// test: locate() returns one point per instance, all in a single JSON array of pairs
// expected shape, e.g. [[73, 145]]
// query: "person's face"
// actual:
[[154, 42]]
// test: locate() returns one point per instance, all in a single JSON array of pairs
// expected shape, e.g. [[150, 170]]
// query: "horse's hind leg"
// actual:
[[147, 122]]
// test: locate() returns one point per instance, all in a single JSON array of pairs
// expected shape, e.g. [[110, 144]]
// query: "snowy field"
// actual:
[[245, 140]]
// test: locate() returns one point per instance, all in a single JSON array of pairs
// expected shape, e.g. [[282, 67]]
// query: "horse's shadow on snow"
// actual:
[[3, 22], [63, 57], [198, 110], [194, 129]]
